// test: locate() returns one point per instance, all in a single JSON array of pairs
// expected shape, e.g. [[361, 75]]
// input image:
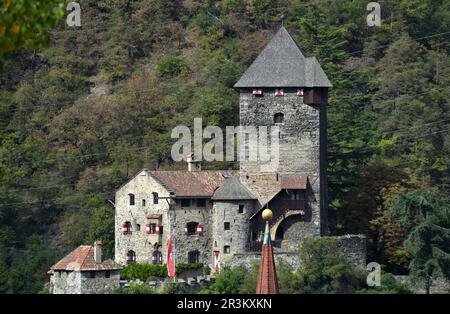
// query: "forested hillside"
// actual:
[[98, 102]]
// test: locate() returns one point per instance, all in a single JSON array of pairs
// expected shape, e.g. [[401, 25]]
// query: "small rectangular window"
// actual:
[[155, 198], [92, 274], [226, 249], [201, 202], [131, 199], [138, 227], [226, 226], [107, 274], [185, 202], [143, 203], [241, 209]]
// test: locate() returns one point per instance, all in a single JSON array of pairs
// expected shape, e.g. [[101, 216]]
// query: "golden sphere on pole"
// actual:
[[267, 214]]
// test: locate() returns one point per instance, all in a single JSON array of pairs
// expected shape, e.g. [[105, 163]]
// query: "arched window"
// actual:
[[131, 257], [156, 257], [131, 199], [191, 228], [278, 118], [193, 257]]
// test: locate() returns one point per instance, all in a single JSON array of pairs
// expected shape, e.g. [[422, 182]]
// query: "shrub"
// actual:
[[135, 288], [143, 271]]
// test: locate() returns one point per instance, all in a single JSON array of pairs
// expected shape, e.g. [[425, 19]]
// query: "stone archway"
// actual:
[[287, 232]]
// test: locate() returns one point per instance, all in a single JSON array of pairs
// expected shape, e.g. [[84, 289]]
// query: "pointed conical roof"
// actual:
[[232, 189], [267, 276], [282, 64]]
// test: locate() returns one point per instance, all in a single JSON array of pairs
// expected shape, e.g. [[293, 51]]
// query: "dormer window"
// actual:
[[279, 92], [278, 118], [257, 92]]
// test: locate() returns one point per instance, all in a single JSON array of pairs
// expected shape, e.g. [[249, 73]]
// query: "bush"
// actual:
[[389, 285], [179, 268], [170, 66], [324, 270], [143, 271]]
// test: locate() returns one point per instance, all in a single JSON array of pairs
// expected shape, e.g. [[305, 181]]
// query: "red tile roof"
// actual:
[[82, 258], [192, 183], [293, 182]]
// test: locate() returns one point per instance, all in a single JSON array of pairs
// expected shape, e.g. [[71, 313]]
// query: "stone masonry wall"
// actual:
[[186, 243], [142, 186], [354, 252], [100, 284], [65, 282], [299, 151], [238, 235]]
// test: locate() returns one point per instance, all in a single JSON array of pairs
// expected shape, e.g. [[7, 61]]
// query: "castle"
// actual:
[[214, 215]]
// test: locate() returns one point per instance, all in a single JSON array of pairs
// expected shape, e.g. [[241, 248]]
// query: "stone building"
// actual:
[[83, 271], [214, 215]]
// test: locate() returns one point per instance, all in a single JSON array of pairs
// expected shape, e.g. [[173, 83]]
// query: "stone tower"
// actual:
[[285, 88]]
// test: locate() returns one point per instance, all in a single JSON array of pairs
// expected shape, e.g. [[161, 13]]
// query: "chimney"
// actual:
[[193, 163], [98, 251]]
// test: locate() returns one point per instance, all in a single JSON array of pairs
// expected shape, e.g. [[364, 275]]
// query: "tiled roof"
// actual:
[[232, 189], [267, 277], [82, 258], [282, 64], [192, 183], [293, 182]]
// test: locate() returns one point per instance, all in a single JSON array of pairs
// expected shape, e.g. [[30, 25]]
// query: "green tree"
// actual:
[[426, 217], [25, 23]]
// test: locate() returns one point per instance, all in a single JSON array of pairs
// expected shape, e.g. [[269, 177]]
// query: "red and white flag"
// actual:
[[170, 258], [217, 261]]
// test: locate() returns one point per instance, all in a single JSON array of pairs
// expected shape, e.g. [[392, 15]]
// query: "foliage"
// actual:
[[426, 217], [389, 285], [82, 115], [324, 270], [181, 267], [143, 271], [233, 280], [25, 23], [173, 288]]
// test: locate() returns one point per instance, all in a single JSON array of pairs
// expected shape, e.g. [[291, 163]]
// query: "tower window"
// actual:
[[138, 227], [226, 249], [226, 226], [241, 209], [143, 203], [193, 257], [131, 199], [278, 118]]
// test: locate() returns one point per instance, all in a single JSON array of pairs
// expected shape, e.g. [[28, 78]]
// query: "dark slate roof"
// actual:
[[282, 64], [192, 183], [82, 258], [232, 189]]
